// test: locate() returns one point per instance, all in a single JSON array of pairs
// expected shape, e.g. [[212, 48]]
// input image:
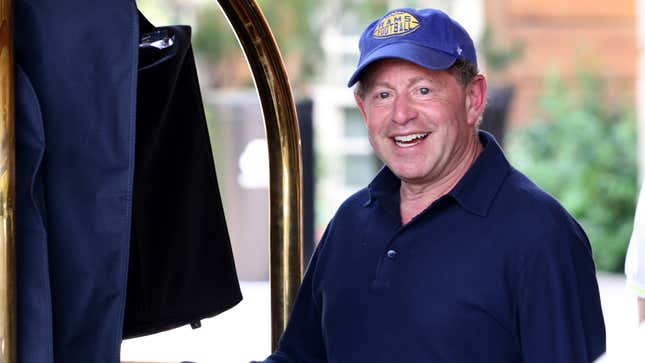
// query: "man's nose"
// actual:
[[404, 110]]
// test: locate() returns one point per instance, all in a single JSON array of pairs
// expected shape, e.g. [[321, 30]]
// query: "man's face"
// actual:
[[419, 121]]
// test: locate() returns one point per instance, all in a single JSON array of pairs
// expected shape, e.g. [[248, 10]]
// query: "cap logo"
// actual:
[[396, 23]]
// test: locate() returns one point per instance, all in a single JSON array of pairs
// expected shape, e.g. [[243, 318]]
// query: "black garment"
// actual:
[[181, 263]]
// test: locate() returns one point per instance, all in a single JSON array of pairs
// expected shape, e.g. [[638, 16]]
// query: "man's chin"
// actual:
[[414, 176]]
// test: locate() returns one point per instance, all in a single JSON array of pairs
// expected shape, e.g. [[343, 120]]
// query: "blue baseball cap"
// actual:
[[427, 37]]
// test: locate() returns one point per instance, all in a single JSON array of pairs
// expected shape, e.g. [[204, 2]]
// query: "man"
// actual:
[[450, 254], [635, 260]]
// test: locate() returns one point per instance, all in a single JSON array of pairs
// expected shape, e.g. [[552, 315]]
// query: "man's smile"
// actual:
[[410, 139]]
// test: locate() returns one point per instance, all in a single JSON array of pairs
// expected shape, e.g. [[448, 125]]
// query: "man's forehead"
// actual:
[[380, 69]]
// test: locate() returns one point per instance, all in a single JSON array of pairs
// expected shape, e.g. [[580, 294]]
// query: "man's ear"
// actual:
[[475, 99], [361, 105]]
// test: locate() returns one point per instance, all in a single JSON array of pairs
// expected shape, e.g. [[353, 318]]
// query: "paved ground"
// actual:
[[243, 333]]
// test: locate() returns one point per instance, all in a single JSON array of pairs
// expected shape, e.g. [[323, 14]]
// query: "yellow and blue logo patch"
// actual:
[[396, 23]]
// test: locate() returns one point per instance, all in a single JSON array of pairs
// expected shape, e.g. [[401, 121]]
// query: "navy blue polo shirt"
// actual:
[[494, 271]]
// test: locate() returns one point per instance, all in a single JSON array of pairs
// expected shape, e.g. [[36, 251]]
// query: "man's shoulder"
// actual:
[[351, 214], [355, 202], [533, 207], [348, 219], [520, 192]]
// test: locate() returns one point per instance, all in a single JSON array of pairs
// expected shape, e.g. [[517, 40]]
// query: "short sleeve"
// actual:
[[302, 340], [559, 312], [635, 260]]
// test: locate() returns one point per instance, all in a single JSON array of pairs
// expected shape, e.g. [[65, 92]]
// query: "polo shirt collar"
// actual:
[[384, 184], [475, 191]]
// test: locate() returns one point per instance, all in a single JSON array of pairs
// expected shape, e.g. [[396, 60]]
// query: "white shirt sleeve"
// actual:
[[635, 260]]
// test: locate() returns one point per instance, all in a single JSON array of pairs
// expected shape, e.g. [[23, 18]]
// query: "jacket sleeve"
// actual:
[[302, 340], [559, 313]]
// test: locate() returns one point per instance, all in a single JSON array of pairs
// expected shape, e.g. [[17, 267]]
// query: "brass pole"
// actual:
[[7, 190], [283, 139]]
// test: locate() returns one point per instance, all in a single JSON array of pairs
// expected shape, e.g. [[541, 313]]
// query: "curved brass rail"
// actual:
[[283, 140], [7, 190]]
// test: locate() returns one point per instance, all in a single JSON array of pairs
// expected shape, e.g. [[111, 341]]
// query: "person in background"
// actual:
[[635, 260], [449, 254]]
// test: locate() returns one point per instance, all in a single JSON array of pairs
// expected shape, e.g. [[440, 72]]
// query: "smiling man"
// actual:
[[450, 254]]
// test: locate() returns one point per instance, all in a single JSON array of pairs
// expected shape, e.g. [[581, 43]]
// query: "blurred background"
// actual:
[[565, 101]]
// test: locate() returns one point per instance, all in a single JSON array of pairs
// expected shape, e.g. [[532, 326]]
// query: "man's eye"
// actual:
[[424, 90], [383, 95]]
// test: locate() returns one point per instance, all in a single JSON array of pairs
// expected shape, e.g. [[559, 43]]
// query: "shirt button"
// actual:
[[391, 254]]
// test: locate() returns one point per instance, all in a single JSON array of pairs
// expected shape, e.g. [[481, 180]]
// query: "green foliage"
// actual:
[[584, 153], [289, 18], [495, 57], [213, 36], [297, 26]]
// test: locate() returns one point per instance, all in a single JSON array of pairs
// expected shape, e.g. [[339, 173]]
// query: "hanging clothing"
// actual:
[[80, 202], [181, 263]]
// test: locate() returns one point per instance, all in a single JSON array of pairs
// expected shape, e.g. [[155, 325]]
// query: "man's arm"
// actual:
[[302, 340], [641, 309], [559, 312]]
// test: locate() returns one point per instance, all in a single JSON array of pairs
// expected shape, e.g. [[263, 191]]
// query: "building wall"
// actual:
[[564, 35]]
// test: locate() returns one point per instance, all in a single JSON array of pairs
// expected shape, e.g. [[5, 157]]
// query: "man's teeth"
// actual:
[[409, 140]]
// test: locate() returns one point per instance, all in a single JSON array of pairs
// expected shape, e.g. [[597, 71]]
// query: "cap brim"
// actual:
[[422, 56]]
